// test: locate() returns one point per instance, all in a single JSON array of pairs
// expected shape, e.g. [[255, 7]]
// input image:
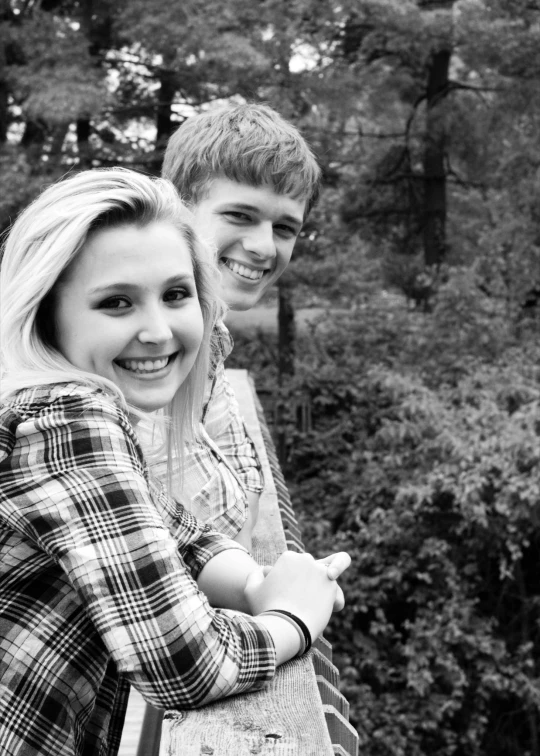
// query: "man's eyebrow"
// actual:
[[293, 219], [127, 286]]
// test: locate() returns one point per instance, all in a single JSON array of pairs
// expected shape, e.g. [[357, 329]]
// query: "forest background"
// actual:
[[407, 415]]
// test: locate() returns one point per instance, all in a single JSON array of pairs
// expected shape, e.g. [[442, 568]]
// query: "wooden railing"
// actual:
[[301, 712]]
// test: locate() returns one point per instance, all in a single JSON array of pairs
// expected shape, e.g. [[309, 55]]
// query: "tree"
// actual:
[[403, 52]]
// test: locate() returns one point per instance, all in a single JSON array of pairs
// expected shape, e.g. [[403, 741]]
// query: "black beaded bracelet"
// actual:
[[303, 628]]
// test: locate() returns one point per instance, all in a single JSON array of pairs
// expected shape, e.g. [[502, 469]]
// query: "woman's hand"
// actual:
[[335, 564], [299, 584]]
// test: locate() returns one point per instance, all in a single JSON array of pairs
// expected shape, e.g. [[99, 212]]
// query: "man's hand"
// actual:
[[245, 536], [335, 565]]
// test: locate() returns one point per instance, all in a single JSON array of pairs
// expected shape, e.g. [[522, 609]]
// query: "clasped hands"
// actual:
[[300, 584]]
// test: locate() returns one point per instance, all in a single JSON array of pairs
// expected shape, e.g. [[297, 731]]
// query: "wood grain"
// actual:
[[286, 719]]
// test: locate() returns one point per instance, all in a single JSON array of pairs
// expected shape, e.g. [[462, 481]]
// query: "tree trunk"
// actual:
[[4, 119], [83, 143], [286, 351], [3, 91], [164, 123], [87, 19], [33, 139], [434, 161], [167, 90], [58, 138], [286, 331]]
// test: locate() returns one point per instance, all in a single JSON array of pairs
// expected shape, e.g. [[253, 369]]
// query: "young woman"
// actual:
[[107, 306]]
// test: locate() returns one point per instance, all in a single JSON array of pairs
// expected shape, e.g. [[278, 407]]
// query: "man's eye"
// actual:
[[115, 303], [287, 231], [237, 216], [176, 295]]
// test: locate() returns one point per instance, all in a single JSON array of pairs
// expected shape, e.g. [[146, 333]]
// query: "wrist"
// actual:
[[284, 636], [298, 624]]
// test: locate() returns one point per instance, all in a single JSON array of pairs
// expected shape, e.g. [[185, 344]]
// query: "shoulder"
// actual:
[[222, 344], [9, 420], [55, 406], [84, 418], [68, 398]]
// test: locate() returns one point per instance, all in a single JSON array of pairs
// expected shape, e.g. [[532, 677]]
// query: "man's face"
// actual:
[[254, 230]]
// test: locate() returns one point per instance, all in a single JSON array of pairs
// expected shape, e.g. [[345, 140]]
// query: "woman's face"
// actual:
[[128, 311]]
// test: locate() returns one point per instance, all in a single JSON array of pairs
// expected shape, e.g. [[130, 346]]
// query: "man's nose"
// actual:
[[260, 241]]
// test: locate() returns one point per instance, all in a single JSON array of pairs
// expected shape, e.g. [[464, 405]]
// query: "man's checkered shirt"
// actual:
[[223, 463]]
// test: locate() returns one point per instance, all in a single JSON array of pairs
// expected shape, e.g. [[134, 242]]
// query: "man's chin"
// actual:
[[240, 301], [241, 306]]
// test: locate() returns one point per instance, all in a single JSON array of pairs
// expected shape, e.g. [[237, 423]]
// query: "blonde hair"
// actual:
[[44, 241], [249, 143]]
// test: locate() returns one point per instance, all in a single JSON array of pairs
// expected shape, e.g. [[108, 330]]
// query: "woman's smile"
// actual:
[[128, 310], [146, 366]]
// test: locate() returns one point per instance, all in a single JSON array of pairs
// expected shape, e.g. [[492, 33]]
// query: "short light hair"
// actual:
[[44, 241], [251, 144]]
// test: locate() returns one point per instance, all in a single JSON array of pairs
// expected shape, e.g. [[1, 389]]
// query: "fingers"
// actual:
[[336, 564], [296, 583], [339, 601], [291, 565]]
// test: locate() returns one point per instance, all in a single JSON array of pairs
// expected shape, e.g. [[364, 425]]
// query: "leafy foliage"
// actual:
[[422, 459]]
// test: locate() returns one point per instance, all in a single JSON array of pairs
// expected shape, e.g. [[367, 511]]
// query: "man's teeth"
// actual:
[[254, 275], [144, 366]]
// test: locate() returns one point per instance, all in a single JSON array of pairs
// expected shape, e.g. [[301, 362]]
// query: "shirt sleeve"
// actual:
[[86, 502], [223, 422]]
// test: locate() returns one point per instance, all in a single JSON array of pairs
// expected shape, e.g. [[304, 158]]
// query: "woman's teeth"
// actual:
[[254, 275], [144, 366]]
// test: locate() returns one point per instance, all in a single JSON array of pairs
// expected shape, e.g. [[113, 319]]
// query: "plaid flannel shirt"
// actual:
[[223, 463], [97, 585]]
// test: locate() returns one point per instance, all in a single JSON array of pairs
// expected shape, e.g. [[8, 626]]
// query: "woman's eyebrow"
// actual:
[[130, 286]]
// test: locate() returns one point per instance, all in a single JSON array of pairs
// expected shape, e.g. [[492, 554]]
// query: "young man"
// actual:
[[251, 180]]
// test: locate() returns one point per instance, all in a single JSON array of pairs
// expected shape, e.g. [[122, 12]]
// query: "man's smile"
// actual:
[[253, 274]]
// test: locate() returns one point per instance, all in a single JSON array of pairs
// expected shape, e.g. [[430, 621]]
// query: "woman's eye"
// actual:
[[115, 303], [176, 295]]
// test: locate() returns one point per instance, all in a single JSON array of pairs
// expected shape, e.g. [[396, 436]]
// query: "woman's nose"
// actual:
[[155, 327]]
